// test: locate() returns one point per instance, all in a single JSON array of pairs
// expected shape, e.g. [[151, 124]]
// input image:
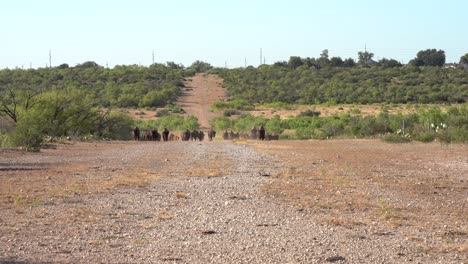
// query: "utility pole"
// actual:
[[225, 64], [153, 56], [261, 56], [245, 62], [50, 58]]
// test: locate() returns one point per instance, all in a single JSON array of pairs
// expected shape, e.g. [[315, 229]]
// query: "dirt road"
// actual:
[[200, 93], [343, 201]]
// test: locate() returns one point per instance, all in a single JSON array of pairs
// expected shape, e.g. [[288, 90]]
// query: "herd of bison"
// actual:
[[195, 135]]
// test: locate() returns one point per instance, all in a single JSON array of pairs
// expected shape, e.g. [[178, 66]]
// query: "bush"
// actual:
[[425, 137], [310, 113], [230, 112], [5, 141], [28, 133], [162, 112], [392, 138], [175, 109], [454, 135], [117, 126]]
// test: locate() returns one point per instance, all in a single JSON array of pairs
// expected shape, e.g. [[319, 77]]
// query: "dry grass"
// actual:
[[165, 215], [364, 110], [181, 195], [352, 182]]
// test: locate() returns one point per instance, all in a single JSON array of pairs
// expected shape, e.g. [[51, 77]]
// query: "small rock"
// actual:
[[335, 259], [209, 232]]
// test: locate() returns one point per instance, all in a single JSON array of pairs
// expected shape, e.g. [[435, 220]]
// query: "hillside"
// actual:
[[309, 85], [200, 92]]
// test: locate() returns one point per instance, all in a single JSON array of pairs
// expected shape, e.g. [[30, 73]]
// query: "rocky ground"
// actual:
[[244, 202]]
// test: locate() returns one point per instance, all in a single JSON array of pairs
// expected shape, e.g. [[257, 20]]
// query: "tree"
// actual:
[[323, 60], [429, 57], [174, 65], [281, 64], [200, 66], [349, 63], [295, 62], [87, 64], [336, 62], [389, 63], [324, 54], [63, 66], [364, 57], [464, 59], [13, 100]]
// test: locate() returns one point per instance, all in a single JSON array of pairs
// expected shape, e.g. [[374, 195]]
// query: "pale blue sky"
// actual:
[[126, 32]]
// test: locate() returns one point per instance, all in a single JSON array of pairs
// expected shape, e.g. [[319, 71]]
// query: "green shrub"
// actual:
[[310, 113], [162, 112], [175, 109], [230, 112], [392, 138], [278, 105], [28, 133], [117, 125], [425, 137], [454, 135], [5, 141]]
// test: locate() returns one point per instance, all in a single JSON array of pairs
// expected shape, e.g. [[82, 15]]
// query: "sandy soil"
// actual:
[[363, 110], [342, 201]]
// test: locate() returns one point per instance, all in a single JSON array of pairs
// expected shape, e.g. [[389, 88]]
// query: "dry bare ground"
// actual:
[[342, 201], [200, 92], [362, 110]]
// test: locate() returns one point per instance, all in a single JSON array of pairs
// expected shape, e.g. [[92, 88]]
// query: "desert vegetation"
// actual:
[[424, 125], [37, 105]]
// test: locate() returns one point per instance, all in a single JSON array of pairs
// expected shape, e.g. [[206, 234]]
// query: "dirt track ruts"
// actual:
[[203, 205]]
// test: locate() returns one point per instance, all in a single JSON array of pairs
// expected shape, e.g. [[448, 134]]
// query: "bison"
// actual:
[[211, 134], [136, 133], [261, 133]]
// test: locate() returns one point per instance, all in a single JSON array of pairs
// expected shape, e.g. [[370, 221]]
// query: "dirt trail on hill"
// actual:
[[200, 92]]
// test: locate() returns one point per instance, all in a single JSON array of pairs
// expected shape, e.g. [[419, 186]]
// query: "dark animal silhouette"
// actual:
[[155, 136], [211, 134], [261, 133], [136, 133], [201, 135], [165, 134], [186, 135], [194, 135]]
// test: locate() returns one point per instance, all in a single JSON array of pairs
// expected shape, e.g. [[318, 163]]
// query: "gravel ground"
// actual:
[[182, 217]]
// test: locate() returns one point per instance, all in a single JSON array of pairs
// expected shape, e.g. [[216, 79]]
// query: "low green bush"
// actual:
[[425, 137], [392, 138], [230, 112]]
